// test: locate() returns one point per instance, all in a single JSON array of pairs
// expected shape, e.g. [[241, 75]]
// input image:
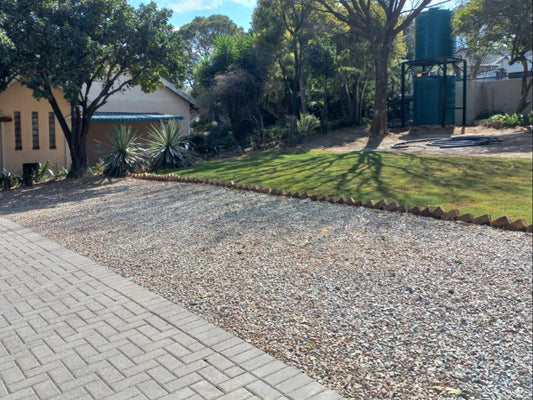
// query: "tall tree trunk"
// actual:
[[324, 121], [80, 122], [523, 103], [381, 60], [299, 78]]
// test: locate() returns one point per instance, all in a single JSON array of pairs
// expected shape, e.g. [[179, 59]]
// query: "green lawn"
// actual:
[[480, 185]]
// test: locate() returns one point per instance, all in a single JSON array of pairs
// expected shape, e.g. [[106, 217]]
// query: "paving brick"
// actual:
[[294, 383], [152, 389], [307, 391], [281, 375], [239, 394], [11, 374], [238, 349], [27, 383], [138, 368], [180, 394], [213, 375], [327, 395], [206, 390], [184, 381], [189, 368], [98, 389], [130, 381], [257, 362], [247, 355], [220, 362], [161, 375], [236, 382], [60, 375], [263, 391], [197, 355], [177, 350], [71, 329], [234, 371]]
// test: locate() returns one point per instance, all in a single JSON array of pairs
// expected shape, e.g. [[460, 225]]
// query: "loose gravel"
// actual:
[[375, 305]]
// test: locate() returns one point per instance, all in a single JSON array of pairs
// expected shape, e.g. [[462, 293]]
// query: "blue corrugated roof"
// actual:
[[107, 116]]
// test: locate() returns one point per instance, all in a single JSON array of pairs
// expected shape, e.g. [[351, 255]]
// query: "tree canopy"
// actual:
[[104, 46], [380, 22], [489, 25], [7, 57]]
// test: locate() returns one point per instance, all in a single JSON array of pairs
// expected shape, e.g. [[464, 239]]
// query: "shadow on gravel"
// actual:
[[54, 193]]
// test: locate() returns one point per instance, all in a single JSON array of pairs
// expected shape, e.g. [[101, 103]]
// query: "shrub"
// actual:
[[307, 123], [9, 180], [43, 172], [510, 120], [97, 169], [168, 149], [125, 156]]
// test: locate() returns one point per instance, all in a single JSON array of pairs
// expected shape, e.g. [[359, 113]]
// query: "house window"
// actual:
[[35, 129], [18, 131], [52, 130]]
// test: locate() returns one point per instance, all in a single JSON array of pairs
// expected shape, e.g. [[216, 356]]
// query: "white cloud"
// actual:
[[181, 6], [245, 3]]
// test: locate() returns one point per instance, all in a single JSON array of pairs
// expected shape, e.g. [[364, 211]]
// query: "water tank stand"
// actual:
[[430, 63]]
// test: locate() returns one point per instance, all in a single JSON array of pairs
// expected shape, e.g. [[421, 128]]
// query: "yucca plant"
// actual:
[[168, 149], [125, 156], [307, 124]]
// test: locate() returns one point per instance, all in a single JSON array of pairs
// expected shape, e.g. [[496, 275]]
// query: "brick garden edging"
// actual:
[[503, 222]]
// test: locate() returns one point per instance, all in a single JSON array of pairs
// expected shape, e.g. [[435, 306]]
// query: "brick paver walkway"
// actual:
[[72, 329]]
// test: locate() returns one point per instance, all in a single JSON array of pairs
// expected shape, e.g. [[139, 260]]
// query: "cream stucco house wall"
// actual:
[[30, 132], [139, 110]]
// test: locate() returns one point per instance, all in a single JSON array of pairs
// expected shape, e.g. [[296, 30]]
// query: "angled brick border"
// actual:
[[503, 222]]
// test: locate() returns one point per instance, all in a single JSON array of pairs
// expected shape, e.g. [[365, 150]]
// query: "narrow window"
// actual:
[[52, 130], [18, 132], [35, 129]]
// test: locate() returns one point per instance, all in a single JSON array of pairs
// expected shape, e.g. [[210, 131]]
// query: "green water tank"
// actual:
[[427, 100], [434, 37]]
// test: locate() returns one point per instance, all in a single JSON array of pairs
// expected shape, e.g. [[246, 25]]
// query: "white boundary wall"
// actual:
[[489, 97]]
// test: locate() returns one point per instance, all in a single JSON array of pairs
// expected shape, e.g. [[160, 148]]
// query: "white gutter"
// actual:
[[3, 145]]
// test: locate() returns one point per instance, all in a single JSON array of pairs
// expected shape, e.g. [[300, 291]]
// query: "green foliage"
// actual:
[[487, 23], [200, 35], [104, 45], [320, 57], [61, 173], [7, 58], [43, 172], [480, 185], [125, 156], [307, 123], [492, 26], [216, 139], [510, 120], [231, 83], [168, 149], [97, 169], [9, 180]]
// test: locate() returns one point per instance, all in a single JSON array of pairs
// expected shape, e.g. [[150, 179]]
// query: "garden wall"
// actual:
[[488, 97]]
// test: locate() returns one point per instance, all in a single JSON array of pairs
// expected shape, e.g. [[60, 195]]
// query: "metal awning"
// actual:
[[108, 116]]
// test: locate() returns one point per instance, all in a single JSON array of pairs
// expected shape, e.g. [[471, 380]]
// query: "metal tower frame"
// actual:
[[430, 63]]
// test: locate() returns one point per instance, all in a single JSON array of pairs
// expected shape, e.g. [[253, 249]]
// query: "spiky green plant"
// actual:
[[307, 123], [125, 155], [168, 149]]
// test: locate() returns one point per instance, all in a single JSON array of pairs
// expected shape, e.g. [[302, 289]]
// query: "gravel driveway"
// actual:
[[376, 305]]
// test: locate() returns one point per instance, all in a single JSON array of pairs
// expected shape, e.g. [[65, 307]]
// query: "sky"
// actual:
[[239, 11]]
